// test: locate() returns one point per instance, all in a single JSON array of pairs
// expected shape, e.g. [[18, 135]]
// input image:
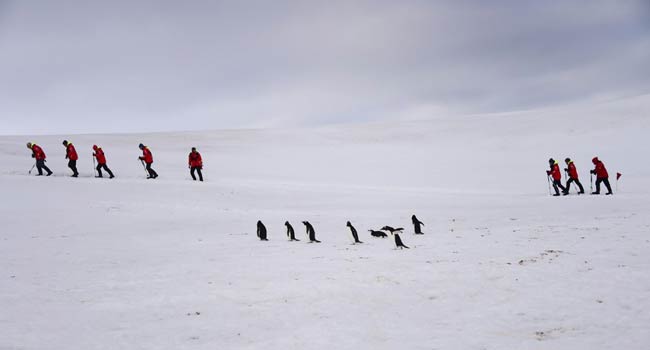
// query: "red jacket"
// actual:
[[573, 173], [555, 172], [99, 154], [70, 152], [599, 170], [194, 160], [38, 153], [146, 155]]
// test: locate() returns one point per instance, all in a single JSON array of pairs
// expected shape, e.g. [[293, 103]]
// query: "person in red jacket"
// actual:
[[71, 156], [601, 176], [147, 158], [556, 175], [195, 163], [101, 162], [39, 155], [573, 176]]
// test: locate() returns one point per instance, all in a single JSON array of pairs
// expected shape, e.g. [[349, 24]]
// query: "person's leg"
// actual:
[[582, 190], [557, 193], [43, 166], [192, 169], [568, 185], [72, 164], [198, 170], [598, 181], [149, 170], [609, 188], [559, 184], [99, 170], [39, 166], [110, 173]]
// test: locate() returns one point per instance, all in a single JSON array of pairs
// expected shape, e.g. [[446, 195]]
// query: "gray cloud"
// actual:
[[85, 66]]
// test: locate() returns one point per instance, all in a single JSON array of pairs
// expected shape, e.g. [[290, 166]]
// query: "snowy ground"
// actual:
[[131, 263]]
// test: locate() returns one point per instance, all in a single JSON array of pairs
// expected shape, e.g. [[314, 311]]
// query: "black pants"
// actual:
[[556, 184], [72, 164], [152, 173], [198, 170], [604, 180], [99, 170], [572, 180], [40, 165]]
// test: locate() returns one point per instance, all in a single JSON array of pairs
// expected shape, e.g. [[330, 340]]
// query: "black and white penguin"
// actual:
[[310, 232], [417, 224], [392, 230], [379, 234], [354, 232], [398, 241], [290, 232], [261, 231]]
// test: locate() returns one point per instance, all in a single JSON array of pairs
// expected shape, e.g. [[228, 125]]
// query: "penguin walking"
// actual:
[[378, 234], [310, 232], [398, 241], [417, 224], [290, 232], [261, 231], [392, 230], [354, 232]]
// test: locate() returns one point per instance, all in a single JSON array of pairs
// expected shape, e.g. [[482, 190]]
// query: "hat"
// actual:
[[141, 146], [29, 145], [95, 147], [567, 160], [65, 142]]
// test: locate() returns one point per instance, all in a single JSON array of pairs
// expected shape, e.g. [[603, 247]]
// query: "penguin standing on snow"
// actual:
[[310, 232], [354, 233], [261, 231], [417, 225], [398, 241], [290, 232]]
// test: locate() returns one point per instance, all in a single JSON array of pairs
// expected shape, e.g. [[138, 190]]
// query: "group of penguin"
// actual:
[[311, 233]]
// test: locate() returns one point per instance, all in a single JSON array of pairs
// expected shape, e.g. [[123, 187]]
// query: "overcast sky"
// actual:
[[132, 66]]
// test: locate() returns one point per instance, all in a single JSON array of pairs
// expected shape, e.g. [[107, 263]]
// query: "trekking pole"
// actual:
[[591, 182], [94, 168], [33, 165], [548, 178], [566, 175], [144, 167]]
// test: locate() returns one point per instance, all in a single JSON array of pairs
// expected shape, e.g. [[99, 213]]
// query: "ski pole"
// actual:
[[94, 168], [548, 178], [33, 165], [591, 182], [144, 167], [566, 175]]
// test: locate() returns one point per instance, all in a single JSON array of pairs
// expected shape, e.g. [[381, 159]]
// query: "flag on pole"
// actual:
[[618, 176]]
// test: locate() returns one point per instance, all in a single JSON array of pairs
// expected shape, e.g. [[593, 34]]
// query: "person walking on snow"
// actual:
[[147, 157], [71, 156], [39, 155], [195, 163], [601, 176], [101, 162], [573, 176], [557, 177]]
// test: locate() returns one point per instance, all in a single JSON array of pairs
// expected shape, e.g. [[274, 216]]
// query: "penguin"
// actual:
[[354, 233], [416, 224], [290, 232], [261, 231], [379, 234], [392, 230], [310, 232], [398, 241]]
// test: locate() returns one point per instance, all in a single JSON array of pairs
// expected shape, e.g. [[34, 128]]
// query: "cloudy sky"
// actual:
[[132, 66]]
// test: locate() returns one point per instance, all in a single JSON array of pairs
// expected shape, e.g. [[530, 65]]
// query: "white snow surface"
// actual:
[[131, 263]]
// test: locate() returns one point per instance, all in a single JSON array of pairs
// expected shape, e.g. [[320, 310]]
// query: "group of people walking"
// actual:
[[195, 162], [572, 173]]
